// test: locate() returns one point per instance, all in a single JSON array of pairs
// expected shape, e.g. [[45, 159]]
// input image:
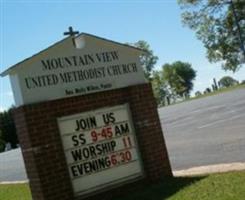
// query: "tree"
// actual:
[[147, 60], [215, 86], [7, 128], [2, 142], [179, 76], [159, 88], [219, 24], [208, 90], [198, 93], [227, 81]]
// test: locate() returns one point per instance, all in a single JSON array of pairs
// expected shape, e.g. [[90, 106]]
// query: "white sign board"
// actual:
[[100, 148], [65, 70]]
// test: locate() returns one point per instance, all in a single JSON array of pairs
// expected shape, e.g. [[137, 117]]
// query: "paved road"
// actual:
[[12, 166], [206, 131]]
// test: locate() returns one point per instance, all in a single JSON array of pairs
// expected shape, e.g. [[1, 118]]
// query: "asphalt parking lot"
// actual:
[[205, 131]]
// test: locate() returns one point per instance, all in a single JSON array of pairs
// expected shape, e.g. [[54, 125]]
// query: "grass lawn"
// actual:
[[222, 90], [15, 192], [226, 186]]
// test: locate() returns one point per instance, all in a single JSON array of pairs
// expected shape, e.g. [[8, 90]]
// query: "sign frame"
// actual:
[[117, 182]]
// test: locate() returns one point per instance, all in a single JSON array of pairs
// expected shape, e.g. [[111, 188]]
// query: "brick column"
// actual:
[[42, 149]]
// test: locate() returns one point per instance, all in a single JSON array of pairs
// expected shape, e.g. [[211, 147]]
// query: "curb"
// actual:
[[210, 169], [13, 182]]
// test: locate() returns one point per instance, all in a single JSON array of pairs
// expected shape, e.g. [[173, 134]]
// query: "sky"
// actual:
[[29, 26]]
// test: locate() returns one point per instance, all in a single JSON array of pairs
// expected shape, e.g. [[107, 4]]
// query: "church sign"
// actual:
[[73, 67], [100, 148], [87, 120]]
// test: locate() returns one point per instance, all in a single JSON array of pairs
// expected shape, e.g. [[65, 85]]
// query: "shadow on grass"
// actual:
[[164, 189]]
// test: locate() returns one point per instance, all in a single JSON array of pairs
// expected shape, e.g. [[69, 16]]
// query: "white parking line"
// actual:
[[206, 109], [221, 120]]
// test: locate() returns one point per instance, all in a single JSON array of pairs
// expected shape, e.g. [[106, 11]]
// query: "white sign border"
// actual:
[[118, 182]]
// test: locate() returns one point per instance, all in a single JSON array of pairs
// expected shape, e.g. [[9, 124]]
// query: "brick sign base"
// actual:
[[43, 152]]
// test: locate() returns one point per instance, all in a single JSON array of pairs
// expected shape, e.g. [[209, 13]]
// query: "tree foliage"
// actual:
[[147, 60], [179, 76], [227, 81], [220, 25], [2, 142], [198, 93], [7, 129], [160, 88]]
